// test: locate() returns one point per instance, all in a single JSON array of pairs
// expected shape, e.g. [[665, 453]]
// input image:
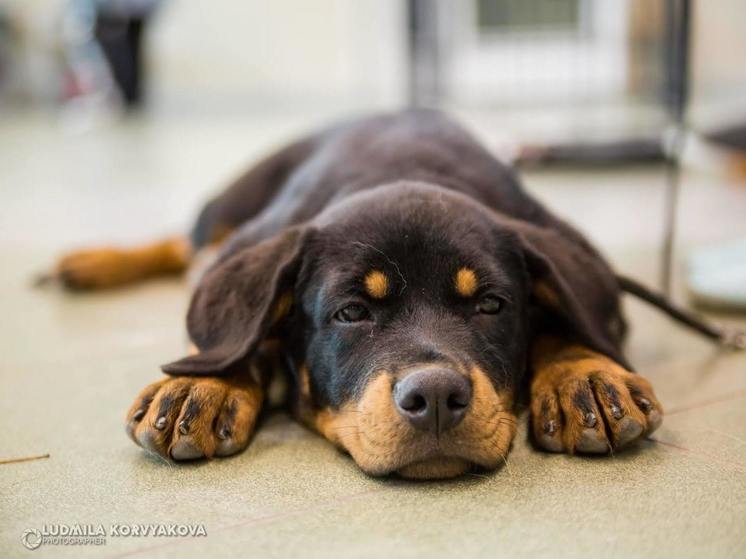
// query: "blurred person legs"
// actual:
[[121, 42], [120, 31]]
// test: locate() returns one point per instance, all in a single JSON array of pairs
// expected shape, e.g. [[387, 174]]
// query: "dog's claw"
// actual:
[[224, 432], [550, 427], [183, 427], [644, 405]]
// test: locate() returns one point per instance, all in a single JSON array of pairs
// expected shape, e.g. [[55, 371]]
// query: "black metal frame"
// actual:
[[676, 52], [424, 41]]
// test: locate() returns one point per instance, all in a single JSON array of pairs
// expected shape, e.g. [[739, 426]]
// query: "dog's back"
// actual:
[[299, 181]]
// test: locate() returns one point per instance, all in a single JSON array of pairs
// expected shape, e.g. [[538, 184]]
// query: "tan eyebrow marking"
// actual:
[[376, 284], [466, 282]]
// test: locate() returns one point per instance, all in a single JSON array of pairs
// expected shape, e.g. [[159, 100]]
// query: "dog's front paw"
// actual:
[[184, 418], [588, 403]]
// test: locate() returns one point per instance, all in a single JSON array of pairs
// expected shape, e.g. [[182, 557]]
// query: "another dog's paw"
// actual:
[[184, 418], [590, 404]]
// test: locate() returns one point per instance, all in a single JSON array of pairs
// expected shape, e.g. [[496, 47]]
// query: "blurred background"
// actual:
[[118, 118]]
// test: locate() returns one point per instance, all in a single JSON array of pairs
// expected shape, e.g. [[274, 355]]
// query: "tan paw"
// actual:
[[97, 269], [184, 418], [587, 403], [104, 267]]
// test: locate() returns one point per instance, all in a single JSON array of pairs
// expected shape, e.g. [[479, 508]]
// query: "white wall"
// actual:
[[280, 53], [718, 61]]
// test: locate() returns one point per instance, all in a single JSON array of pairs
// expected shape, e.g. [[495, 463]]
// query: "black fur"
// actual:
[[415, 196]]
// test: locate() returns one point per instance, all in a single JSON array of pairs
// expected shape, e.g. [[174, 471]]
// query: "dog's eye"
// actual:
[[352, 313], [489, 304]]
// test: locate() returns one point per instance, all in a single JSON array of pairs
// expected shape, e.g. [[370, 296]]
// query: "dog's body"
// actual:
[[300, 181], [407, 284]]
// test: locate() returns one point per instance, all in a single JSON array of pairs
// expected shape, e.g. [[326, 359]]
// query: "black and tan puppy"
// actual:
[[408, 286]]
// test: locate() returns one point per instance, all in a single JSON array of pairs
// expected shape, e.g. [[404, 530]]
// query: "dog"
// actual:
[[410, 290]]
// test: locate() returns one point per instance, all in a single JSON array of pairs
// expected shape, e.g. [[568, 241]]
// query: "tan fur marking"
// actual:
[[435, 468], [466, 282], [282, 306], [305, 381], [546, 295], [485, 434], [569, 382], [381, 441], [376, 284], [109, 267]]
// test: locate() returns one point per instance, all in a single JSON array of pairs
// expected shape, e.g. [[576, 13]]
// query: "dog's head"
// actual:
[[404, 313]]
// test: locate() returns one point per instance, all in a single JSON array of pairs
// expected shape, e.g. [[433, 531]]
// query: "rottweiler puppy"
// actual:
[[408, 287]]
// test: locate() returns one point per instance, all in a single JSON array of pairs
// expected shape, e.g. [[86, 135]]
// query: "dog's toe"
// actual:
[[237, 419], [194, 436], [643, 399], [186, 449], [591, 441], [547, 421], [154, 432], [140, 408]]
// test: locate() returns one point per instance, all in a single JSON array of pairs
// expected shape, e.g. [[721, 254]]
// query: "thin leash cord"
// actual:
[[678, 27], [729, 339], [671, 202]]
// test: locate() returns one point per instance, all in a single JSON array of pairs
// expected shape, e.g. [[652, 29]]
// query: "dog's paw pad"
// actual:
[[628, 430], [591, 441], [186, 449]]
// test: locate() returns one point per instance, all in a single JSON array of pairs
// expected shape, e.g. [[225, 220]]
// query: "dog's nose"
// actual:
[[433, 400]]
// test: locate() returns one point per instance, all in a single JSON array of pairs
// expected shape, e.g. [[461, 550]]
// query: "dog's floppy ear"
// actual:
[[238, 301], [571, 280]]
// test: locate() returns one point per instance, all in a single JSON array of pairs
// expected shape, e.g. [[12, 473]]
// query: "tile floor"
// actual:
[[71, 364]]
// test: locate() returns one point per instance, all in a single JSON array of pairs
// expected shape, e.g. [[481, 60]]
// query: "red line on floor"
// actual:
[[717, 400]]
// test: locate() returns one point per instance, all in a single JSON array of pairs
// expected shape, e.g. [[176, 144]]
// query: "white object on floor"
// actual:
[[716, 276]]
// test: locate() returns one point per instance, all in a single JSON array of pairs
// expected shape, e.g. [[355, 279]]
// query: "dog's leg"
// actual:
[[184, 418], [105, 267], [582, 401]]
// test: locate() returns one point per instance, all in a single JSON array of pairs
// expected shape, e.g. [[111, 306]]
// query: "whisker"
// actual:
[[507, 468]]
